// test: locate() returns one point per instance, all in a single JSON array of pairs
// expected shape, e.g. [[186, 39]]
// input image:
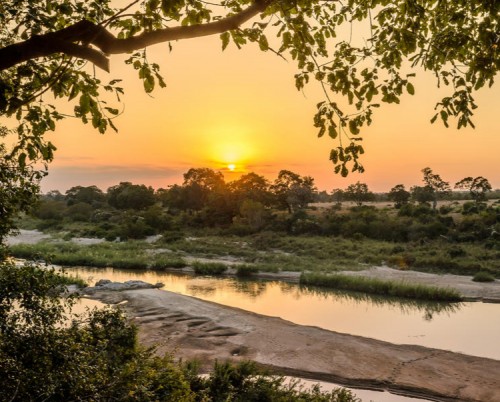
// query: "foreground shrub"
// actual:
[[245, 383], [381, 287], [483, 276], [96, 357]]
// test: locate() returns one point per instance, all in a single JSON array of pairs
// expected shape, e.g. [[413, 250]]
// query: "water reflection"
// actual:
[[200, 290], [405, 306], [450, 326]]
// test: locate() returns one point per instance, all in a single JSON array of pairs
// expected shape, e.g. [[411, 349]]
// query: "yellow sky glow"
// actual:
[[242, 108]]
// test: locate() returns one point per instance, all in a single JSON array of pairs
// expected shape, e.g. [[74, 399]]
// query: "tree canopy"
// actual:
[[45, 46]]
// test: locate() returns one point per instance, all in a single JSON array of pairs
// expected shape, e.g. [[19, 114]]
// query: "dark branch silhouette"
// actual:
[[76, 39]]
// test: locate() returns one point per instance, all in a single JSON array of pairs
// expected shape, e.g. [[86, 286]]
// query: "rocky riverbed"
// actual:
[[196, 329]]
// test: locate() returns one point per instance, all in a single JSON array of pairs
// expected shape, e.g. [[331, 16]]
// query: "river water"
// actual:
[[472, 328]]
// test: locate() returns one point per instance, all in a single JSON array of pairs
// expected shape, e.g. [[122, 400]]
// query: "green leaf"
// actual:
[[353, 127], [263, 44], [410, 88], [149, 84], [84, 103], [332, 132], [22, 160], [225, 39]]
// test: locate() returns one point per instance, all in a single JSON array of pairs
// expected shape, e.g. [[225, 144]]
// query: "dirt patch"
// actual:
[[26, 237], [196, 329]]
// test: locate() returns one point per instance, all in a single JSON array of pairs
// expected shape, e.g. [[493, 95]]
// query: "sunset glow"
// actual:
[[241, 108]]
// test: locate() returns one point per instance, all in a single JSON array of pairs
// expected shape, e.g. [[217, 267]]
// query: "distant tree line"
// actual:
[[252, 203]]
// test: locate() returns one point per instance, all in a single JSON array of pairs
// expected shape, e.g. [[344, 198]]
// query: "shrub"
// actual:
[[171, 237], [457, 252], [246, 270], [209, 268], [483, 276], [163, 263], [445, 209]]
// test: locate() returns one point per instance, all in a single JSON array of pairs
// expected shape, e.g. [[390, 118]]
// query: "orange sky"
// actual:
[[242, 107]]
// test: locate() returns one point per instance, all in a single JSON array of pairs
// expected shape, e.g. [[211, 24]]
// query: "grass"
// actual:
[[380, 287], [73, 280], [246, 270], [128, 255], [209, 268], [274, 252]]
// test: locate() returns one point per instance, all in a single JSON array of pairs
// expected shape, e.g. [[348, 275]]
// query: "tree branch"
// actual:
[[88, 33]]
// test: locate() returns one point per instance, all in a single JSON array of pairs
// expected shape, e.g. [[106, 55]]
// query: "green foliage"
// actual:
[[130, 196], [119, 255], [245, 383], [209, 268], [292, 191], [399, 195], [95, 356], [483, 276], [246, 270], [358, 192], [18, 189], [41, 52], [91, 356], [478, 187], [381, 287]]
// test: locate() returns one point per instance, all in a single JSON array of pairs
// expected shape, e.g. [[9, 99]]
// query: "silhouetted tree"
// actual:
[[89, 195], [359, 193], [130, 196], [477, 187], [439, 188], [399, 195], [292, 191]]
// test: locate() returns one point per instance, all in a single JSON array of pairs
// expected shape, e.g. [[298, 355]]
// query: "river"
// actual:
[[471, 327]]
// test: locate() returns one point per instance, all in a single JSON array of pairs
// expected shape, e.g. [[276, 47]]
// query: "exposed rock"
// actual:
[[207, 331], [106, 285]]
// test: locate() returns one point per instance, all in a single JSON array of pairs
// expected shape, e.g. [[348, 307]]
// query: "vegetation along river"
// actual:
[[471, 327]]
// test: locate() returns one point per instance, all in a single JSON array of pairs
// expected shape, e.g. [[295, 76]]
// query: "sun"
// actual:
[[231, 167]]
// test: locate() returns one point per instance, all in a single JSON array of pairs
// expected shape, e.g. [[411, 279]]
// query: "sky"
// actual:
[[241, 107]]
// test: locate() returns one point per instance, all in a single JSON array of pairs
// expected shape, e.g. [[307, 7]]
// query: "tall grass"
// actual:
[[380, 287], [209, 268], [245, 270], [126, 255]]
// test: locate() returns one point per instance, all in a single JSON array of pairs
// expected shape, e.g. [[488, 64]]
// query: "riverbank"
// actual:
[[195, 329], [488, 292]]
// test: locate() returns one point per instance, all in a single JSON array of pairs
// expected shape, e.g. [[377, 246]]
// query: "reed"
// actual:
[[380, 287], [209, 268]]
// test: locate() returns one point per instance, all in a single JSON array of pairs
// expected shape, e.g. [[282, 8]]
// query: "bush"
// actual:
[[164, 263], [458, 251], [209, 268], [97, 357], [171, 237], [246, 270], [483, 276]]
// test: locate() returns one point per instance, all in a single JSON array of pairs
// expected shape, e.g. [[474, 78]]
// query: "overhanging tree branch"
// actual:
[[76, 39]]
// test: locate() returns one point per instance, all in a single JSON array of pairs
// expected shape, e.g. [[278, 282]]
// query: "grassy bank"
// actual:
[[270, 252], [380, 287], [128, 255]]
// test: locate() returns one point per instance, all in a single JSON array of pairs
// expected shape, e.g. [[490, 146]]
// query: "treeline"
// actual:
[[252, 204]]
